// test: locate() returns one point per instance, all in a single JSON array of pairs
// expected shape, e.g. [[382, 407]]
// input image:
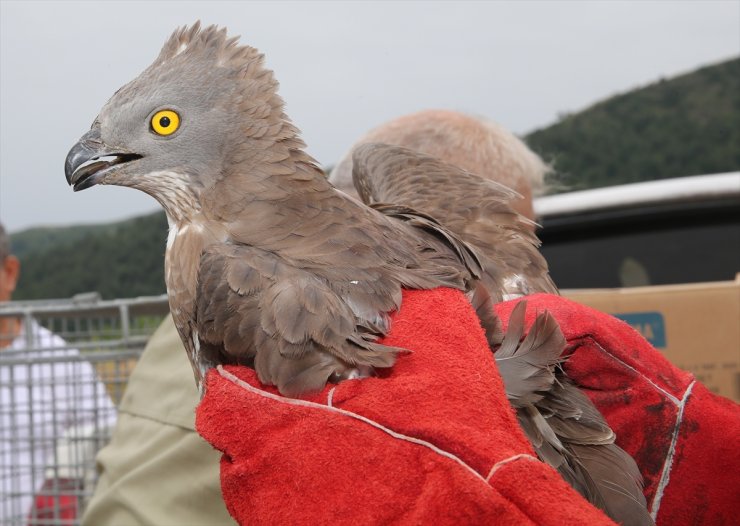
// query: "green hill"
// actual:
[[684, 126], [40, 239], [688, 125], [119, 260]]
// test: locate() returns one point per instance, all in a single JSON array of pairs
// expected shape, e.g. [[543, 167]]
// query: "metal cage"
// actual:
[[61, 380]]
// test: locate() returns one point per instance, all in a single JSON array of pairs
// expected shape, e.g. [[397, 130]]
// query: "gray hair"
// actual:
[[4, 243], [475, 144]]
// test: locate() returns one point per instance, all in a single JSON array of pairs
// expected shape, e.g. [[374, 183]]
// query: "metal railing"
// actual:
[[61, 380]]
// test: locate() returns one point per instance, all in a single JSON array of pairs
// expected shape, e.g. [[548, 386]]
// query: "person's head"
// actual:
[[474, 144], [9, 267]]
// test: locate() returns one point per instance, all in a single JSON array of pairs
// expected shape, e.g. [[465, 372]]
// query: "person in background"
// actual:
[[157, 470], [47, 405], [475, 144], [10, 267]]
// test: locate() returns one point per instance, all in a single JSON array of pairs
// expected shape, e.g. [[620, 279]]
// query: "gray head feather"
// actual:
[[230, 116]]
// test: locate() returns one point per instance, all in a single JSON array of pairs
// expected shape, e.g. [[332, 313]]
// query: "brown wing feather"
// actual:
[[464, 257], [563, 425], [296, 331], [481, 301], [528, 367], [476, 209], [366, 256], [617, 479]]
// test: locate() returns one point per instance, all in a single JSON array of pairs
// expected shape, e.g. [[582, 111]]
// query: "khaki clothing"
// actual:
[[157, 470]]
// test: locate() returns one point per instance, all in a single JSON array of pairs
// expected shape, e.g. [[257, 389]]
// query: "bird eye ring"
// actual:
[[165, 122]]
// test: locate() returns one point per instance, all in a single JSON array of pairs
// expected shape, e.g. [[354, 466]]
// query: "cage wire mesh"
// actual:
[[61, 380]]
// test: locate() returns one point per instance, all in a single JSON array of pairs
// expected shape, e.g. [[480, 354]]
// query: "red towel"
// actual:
[[57, 503], [684, 438], [434, 440]]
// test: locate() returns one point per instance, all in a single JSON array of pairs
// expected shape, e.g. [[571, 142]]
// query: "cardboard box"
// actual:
[[696, 326]]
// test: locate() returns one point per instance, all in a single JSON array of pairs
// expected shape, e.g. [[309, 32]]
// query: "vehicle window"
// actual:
[[682, 246]]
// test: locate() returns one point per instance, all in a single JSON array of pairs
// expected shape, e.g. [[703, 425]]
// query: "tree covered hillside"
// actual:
[[119, 260], [689, 125]]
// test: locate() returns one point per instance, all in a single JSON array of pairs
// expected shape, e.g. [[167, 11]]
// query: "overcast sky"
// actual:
[[343, 68]]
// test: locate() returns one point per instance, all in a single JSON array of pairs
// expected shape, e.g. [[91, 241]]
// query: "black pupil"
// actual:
[[164, 122]]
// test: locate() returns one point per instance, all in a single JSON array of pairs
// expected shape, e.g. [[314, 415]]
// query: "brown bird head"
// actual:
[[204, 107]]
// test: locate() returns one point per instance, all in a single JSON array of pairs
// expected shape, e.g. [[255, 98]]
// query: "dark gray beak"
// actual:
[[89, 160]]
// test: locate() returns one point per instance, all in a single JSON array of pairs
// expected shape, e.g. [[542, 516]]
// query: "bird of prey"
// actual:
[[268, 265]]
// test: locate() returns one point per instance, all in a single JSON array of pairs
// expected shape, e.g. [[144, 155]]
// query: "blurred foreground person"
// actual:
[[157, 469], [47, 406]]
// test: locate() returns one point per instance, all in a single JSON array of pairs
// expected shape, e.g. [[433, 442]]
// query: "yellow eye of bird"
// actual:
[[165, 122]]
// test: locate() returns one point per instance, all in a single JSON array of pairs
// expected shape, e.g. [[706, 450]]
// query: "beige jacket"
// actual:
[[157, 470]]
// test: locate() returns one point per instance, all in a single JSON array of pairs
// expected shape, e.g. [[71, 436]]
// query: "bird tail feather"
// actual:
[[564, 427]]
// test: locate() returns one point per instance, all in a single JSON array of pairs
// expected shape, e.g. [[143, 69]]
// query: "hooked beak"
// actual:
[[89, 160]]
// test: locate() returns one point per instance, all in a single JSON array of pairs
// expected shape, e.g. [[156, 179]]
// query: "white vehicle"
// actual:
[[669, 231]]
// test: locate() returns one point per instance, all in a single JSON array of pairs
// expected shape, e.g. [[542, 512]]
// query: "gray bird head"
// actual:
[[204, 105]]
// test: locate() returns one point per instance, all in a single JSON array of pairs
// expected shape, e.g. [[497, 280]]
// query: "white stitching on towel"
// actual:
[[304, 403], [502, 463], [668, 463], [666, 393], [330, 397], [666, 474]]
